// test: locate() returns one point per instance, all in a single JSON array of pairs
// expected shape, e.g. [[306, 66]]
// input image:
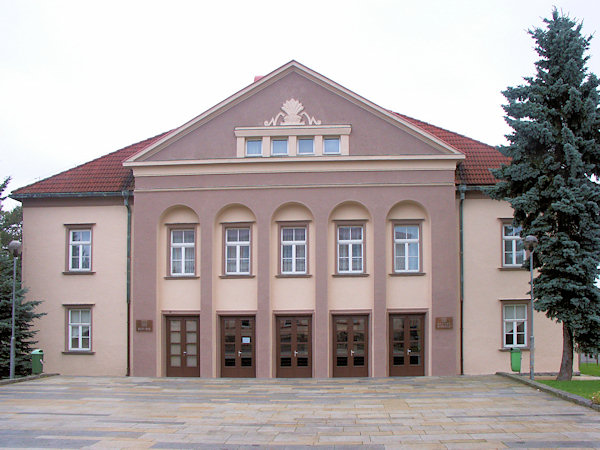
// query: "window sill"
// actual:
[[78, 352], [82, 272], [407, 274], [508, 349], [293, 275], [510, 269], [350, 275], [225, 277], [182, 277]]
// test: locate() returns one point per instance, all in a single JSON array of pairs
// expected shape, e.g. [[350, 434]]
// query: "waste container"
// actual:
[[37, 361], [515, 359]]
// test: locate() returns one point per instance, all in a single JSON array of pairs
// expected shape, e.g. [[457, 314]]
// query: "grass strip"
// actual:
[[583, 388]]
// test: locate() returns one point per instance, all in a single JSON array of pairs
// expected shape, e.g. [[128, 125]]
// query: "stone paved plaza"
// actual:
[[430, 412]]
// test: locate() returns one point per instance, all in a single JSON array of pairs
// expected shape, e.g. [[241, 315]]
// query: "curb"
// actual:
[[27, 378], [561, 394]]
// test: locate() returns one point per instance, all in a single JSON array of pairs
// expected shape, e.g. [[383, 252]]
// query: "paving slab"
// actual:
[[425, 412]]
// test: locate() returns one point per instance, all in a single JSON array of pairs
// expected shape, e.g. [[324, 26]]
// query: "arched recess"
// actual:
[[174, 294], [409, 287], [235, 288], [292, 256], [351, 283]]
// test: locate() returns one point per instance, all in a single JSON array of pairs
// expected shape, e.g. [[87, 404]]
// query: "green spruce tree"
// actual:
[[550, 183], [10, 229]]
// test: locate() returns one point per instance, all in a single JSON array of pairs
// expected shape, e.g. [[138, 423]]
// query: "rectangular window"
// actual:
[[512, 246], [80, 249], [350, 249], [331, 145], [183, 252], [406, 248], [293, 250], [306, 146], [515, 325], [237, 251], [254, 147], [279, 147], [80, 329]]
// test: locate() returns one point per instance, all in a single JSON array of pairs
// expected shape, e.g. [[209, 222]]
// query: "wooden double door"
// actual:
[[351, 346], [238, 346], [183, 346], [293, 346], [407, 345]]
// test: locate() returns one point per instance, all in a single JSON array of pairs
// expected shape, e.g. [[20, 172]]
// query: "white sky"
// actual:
[[79, 79]]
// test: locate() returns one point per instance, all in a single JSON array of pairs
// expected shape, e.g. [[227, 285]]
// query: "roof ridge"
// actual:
[[146, 141], [440, 128]]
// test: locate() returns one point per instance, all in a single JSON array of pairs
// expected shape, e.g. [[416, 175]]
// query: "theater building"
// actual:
[[295, 229]]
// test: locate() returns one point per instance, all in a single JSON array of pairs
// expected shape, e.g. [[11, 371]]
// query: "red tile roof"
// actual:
[[102, 175], [480, 157], [107, 175]]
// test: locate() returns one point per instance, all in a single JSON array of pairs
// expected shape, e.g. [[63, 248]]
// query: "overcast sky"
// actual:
[[79, 79]]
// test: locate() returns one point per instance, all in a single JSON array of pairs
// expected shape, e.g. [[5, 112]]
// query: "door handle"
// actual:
[[185, 353], [351, 352], [295, 353], [408, 351], [240, 353]]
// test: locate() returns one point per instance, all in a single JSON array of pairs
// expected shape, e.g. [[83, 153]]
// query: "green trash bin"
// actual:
[[37, 361], [515, 359]]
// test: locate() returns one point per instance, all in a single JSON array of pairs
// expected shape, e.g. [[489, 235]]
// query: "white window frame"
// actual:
[[514, 240], [349, 245], [306, 138], [80, 245], [331, 138], [295, 244], [515, 322], [406, 243], [188, 252], [253, 154], [237, 245], [273, 144], [80, 326]]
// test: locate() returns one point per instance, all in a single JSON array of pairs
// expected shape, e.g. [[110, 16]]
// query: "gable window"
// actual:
[[350, 249], [279, 147], [80, 249], [515, 325], [237, 251], [306, 146], [406, 248], [293, 250], [79, 329], [183, 252], [513, 252], [254, 147], [331, 145]]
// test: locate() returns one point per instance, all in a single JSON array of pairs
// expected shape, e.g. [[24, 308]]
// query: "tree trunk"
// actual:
[[566, 365]]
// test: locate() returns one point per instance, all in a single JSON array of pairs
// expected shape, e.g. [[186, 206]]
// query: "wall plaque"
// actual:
[[443, 323], [143, 325]]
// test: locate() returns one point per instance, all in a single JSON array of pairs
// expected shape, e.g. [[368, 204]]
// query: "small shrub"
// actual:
[[596, 398]]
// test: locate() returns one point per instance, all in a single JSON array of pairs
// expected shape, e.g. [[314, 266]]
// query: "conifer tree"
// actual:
[[550, 183], [10, 229]]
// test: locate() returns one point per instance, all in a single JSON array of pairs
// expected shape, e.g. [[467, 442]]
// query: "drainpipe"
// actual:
[[461, 189], [126, 195]]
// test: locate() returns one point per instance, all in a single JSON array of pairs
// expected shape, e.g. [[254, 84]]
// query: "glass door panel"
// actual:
[[350, 335], [406, 345], [293, 346], [183, 346]]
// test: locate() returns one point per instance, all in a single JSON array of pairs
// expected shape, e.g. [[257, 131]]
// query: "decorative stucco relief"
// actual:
[[293, 114]]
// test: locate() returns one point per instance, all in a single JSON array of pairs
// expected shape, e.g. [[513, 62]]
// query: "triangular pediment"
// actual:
[[294, 98]]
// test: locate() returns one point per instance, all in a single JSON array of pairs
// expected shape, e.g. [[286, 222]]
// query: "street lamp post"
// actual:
[[530, 245], [15, 250]]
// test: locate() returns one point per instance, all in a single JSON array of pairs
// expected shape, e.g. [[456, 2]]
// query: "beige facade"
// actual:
[[488, 286], [295, 229], [102, 290]]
